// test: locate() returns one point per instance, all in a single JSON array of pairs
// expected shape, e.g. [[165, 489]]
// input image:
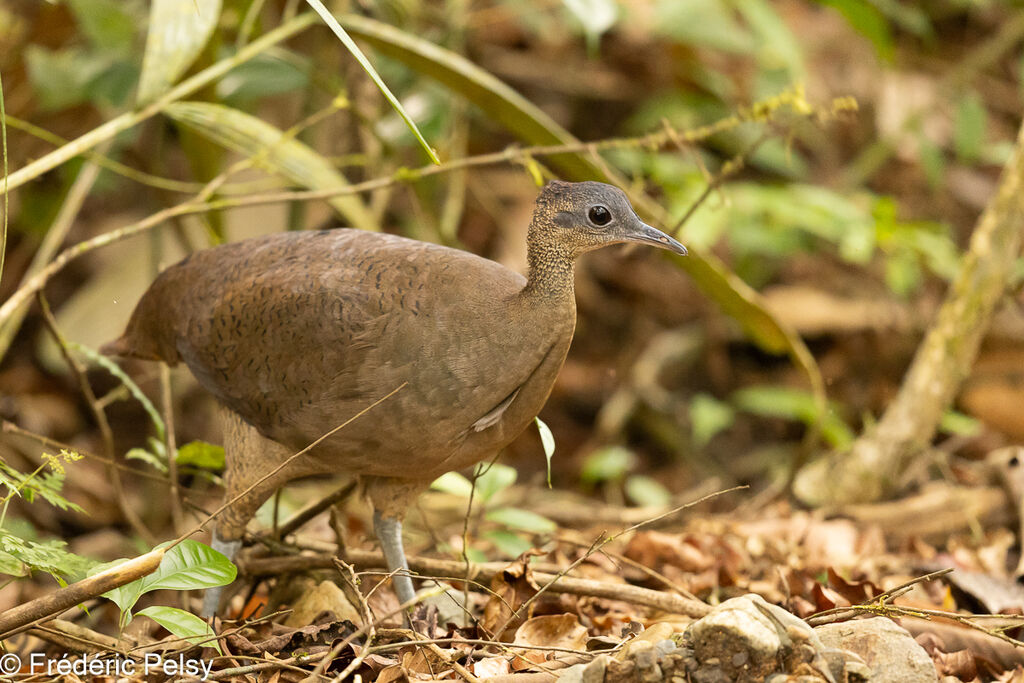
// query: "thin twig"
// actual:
[[171, 448], [100, 416], [602, 541]]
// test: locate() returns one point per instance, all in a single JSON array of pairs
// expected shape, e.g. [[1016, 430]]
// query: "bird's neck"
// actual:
[[550, 269]]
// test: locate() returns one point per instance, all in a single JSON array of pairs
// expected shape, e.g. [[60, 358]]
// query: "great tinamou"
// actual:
[[295, 333]]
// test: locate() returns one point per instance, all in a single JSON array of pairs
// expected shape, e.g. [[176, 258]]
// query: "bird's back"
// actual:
[[297, 332]]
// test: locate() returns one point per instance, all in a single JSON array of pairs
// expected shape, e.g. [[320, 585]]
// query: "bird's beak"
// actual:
[[645, 234]]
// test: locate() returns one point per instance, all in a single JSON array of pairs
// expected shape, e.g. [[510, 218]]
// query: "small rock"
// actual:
[[889, 651], [572, 674], [735, 626], [594, 671]]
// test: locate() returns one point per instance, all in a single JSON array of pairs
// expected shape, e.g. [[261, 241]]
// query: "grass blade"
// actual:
[[178, 31], [274, 150], [350, 45]]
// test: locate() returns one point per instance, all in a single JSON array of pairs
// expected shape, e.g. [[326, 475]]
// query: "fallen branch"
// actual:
[[645, 597], [78, 592]]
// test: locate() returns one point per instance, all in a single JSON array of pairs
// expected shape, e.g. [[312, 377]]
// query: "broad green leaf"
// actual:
[[272, 149], [969, 126], [508, 543], [496, 477], [201, 454], [453, 483], [547, 440], [350, 45], [646, 492], [183, 624], [124, 596], [178, 31], [523, 520], [610, 463], [708, 417], [190, 565]]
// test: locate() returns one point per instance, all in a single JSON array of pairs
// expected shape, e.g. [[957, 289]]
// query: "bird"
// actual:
[[296, 333]]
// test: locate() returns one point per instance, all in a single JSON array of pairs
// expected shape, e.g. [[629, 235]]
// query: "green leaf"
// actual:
[[610, 463], [147, 457], [47, 486], [523, 520], [793, 404], [866, 20], [183, 624], [124, 596], [190, 565], [275, 72], [702, 22], [201, 454], [62, 78], [178, 31], [19, 556], [494, 478], [274, 150], [709, 416], [969, 127], [350, 45], [646, 492], [547, 440], [453, 483], [902, 273], [508, 543], [108, 24], [12, 566], [778, 48], [953, 422]]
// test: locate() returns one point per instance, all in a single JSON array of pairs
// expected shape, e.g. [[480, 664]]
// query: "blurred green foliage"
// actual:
[[723, 54]]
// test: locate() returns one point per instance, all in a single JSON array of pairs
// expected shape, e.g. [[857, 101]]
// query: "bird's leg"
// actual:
[[211, 599], [389, 533]]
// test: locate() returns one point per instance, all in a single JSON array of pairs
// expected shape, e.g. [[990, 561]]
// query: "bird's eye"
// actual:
[[599, 215]]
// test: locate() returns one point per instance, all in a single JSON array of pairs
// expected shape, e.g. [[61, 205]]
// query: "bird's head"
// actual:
[[575, 218]]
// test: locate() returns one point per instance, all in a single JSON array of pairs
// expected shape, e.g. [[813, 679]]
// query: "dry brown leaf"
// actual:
[[960, 664], [854, 591], [511, 587], [553, 630], [492, 666], [655, 549]]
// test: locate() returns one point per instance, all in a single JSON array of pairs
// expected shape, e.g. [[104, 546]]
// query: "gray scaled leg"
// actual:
[[211, 599], [389, 533]]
